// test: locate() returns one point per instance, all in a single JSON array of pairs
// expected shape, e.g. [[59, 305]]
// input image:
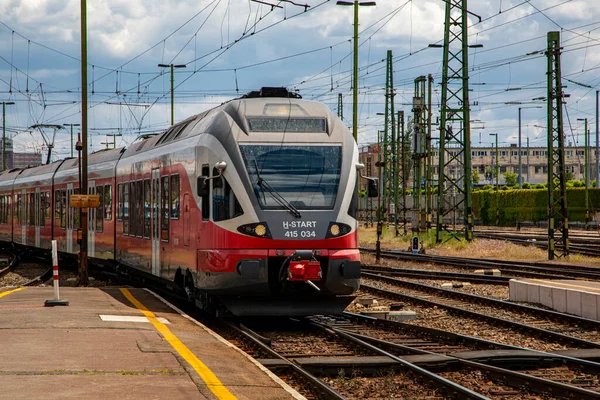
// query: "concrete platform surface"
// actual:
[[73, 353], [575, 297]]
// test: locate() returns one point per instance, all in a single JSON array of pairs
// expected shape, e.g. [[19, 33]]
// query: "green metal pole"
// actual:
[[403, 160], [428, 158], [497, 187], [587, 175], [355, 76]]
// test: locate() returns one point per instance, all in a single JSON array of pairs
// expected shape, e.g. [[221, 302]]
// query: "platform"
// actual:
[[575, 297], [113, 343]]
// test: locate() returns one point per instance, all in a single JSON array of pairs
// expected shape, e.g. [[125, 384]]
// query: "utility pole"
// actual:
[[172, 67], [428, 158], [597, 143], [340, 106], [586, 172], [388, 134], [527, 158], [83, 184], [404, 179], [71, 125], [355, 4], [455, 128], [114, 141], [558, 223], [4, 104], [419, 148]]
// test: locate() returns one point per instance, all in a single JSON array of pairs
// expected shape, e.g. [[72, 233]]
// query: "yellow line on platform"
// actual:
[[9, 292], [211, 380]]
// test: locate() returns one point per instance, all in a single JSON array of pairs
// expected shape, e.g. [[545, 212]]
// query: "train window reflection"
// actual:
[[174, 196], [314, 125], [306, 176], [225, 202]]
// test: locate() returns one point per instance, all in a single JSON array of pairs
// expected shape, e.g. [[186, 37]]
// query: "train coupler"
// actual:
[[304, 267]]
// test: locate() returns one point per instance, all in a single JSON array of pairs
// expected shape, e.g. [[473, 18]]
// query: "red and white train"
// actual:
[[252, 203]]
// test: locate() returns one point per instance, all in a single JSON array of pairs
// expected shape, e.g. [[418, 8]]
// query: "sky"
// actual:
[[230, 47]]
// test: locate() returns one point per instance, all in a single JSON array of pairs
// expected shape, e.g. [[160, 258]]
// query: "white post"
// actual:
[[57, 301], [55, 269]]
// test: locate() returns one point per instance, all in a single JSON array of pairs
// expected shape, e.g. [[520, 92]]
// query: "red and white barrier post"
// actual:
[[56, 301]]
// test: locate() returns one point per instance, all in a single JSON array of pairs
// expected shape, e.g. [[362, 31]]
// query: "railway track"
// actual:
[[549, 326], [526, 269], [354, 356]]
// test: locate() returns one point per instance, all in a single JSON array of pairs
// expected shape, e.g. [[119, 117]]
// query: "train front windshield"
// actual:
[[306, 177]]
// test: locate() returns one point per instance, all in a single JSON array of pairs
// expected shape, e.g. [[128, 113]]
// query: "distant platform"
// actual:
[[117, 343], [575, 297]]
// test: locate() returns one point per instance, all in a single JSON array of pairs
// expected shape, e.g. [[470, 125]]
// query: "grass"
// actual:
[[478, 248]]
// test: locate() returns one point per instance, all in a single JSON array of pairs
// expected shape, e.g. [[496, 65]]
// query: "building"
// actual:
[[19, 160], [483, 160]]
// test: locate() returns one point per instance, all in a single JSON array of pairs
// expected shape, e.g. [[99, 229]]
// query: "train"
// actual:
[[250, 206]]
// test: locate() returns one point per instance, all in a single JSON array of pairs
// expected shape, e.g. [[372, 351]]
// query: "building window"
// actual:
[[164, 195]]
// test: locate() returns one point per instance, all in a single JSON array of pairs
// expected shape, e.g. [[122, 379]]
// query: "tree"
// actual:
[[510, 178], [475, 177]]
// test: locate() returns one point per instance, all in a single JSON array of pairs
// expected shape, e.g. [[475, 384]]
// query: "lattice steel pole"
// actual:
[[455, 130], [558, 223], [419, 140], [404, 177], [340, 106], [387, 135]]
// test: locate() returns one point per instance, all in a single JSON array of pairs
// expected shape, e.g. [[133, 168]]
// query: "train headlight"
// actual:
[[334, 229], [337, 229], [259, 229]]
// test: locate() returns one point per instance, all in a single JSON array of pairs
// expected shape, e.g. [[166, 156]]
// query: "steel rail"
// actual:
[[515, 379], [488, 301], [543, 333], [258, 340], [438, 275]]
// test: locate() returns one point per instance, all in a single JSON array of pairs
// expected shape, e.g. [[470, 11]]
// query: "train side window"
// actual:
[[63, 205], [133, 210], [76, 212], [126, 209], [4, 208], [164, 195], [100, 209], [17, 208], [120, 202], [56, 204], [47, 205], [225, 203], [175, 197], [205, 199], [139, 216], [108, 202], [40, 198], [147, 208]]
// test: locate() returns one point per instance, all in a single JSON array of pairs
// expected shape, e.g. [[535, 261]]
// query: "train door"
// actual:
[[38, 217], [186, 219], [92, 222], [69, 210], [23, 218], [155, 221]]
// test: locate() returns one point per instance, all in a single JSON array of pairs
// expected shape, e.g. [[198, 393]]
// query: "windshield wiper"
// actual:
[[262, 184]]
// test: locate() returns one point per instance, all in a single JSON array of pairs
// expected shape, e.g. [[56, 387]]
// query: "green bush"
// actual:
[[540, 186], [527, 185], [487, 187], [527, 205]]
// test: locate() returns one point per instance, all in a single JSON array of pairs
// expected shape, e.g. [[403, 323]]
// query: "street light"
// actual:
[[71, 125], [587, 170], [355, 3], [496, 173], [520, 177], [172, 66], [4, 104]]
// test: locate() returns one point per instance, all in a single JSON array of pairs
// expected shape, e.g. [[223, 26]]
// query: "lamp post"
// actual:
[[71, 125], [355, 4], [496, 172], [520, 177], [4, 104], [172, 66], [586, 171]]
